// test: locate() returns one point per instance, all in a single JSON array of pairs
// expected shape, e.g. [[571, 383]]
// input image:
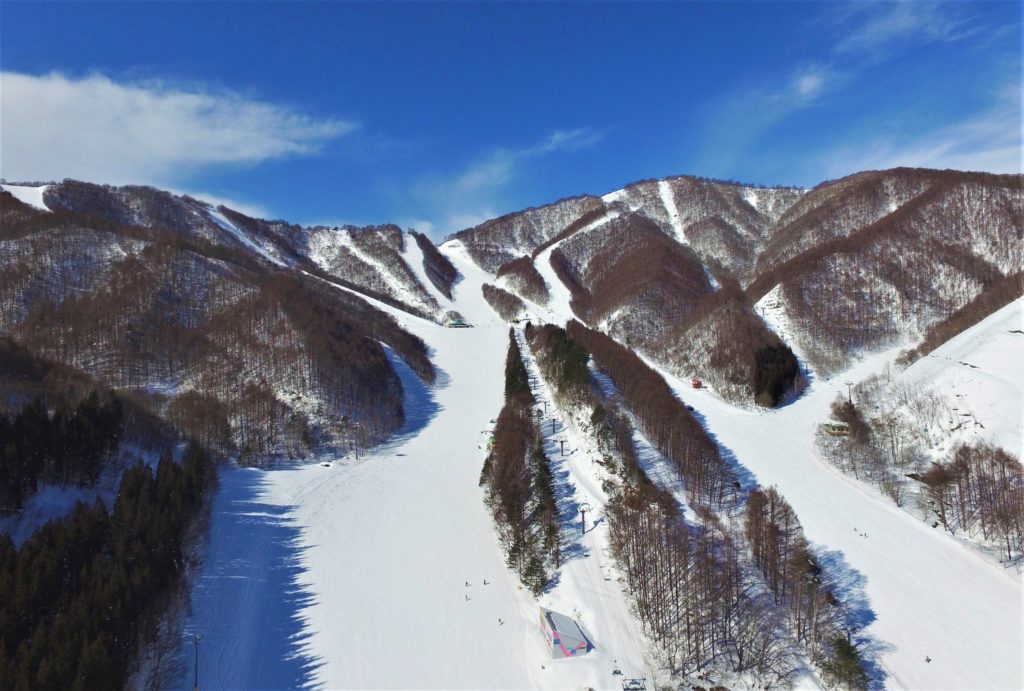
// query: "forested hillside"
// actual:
[[141, 290], [686, 268]]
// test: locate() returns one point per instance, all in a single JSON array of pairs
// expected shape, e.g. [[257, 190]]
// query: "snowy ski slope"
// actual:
[[982, 369], [924, 594], [354, 575], [33, 196], [373, 556]]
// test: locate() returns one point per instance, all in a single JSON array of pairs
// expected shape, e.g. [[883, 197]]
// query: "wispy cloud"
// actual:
[[865, 35], [811, 81], [873, 26], [253, 210], [737, 121], [990, 141], [98, 129], [477, 192]]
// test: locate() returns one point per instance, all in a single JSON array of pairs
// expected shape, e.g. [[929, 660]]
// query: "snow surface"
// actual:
[[413, 256], [559, 308], [354, 575], [33, 196], [222, 220], [982, 369], [616, 196], [399, 283], [920, 591], [665, 191], [49, 503], [772, 310]]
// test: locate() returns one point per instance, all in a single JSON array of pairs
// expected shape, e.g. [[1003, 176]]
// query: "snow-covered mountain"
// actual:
[[719, 547], [680, 266], [247, 332]]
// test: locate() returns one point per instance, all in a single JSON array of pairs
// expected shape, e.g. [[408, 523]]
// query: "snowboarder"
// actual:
[[467, 598], [927, 659], [467, 584], [500, 622]]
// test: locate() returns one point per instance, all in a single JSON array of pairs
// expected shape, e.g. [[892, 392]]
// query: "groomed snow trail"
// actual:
[[928, 595], [354, 575], [589, 586], [665, 192], [33, 196]]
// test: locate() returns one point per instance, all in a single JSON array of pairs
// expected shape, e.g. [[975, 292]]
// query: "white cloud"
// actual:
[[97, 129], [498, 168], [810, 82], [990, 141], [880, 25], [738, 120], [420, 225], [248, 208], [472, 195]]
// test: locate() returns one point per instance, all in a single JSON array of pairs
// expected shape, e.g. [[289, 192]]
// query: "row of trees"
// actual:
[[67, 446], [519, 483], [977, 489], [739, 595], [665, 420], [562, 361], [507, 305], [703, 609], [522, 276], [796, 579], [439, 270], [83, 594], [699, 603], [704, 606]]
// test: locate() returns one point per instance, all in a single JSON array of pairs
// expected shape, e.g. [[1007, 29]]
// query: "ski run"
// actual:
[[385, 571]]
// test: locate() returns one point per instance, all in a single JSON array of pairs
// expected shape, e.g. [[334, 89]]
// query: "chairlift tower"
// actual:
[[584, 507], [195, 642]]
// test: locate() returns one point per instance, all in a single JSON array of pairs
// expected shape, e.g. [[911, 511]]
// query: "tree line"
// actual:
[[507, 305], [522, 275], [664, 420], [562, 361], [66, 447], [741, 594], [979, 488], [973, 488], [437, 267], [83, 594], [518, 481]]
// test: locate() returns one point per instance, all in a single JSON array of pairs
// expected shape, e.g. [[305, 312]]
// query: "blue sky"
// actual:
[[439, 115]]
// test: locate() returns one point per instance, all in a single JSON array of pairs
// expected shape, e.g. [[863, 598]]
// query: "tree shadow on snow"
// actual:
[[247, 601], [794, 394], [565, 499], [850, 586], [747, 480], [568, 515], [418, 400]]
